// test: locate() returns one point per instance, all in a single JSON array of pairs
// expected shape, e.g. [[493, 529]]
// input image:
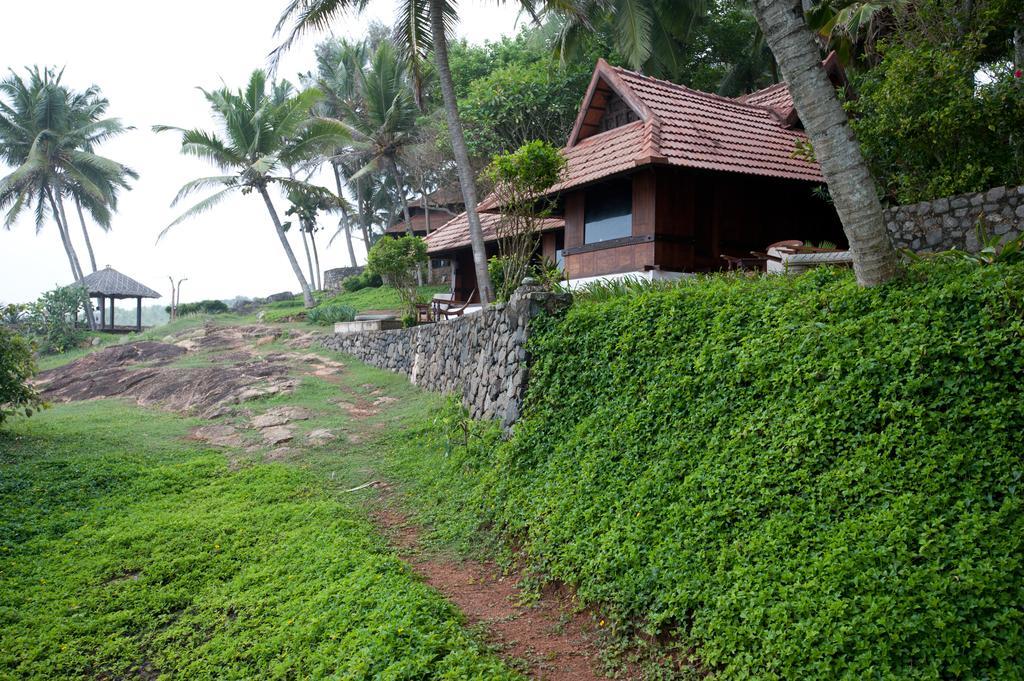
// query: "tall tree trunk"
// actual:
[[344, 217], [849, 181], [426, 218], [307, 295], [305, 247], [444, 72], [85, 233], [364, 221], [316, 259], [57, 205]]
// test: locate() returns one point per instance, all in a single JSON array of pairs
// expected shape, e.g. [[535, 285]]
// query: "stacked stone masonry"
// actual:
[[951, 222], [482, 356]]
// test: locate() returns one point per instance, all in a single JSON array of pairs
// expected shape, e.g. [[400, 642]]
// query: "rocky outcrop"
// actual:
[[482, 357]]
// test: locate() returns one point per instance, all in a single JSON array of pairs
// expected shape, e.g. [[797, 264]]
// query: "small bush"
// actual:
[[366, 279], [397, 261], [52, 320], [16, 368], [201, 307], [331, 313]]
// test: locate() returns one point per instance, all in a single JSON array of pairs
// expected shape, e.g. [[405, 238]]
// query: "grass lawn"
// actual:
[[128, 550], [381, 298]]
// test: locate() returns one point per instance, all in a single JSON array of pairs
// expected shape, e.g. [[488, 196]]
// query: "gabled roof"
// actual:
[[454, 234], [683, 127], [110, 282]]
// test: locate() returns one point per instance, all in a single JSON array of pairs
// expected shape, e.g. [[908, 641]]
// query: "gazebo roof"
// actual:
[[110, 282]]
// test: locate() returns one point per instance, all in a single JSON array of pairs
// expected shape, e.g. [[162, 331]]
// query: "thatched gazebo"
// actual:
[[109, 284]]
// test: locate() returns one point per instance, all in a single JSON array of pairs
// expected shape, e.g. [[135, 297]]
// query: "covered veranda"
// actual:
[[108, 285]]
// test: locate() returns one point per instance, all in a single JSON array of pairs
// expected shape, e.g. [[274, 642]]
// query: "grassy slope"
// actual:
[[795, 477], [381, 298], [116, 557]]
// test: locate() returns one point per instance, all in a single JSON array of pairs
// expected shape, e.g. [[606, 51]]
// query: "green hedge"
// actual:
[[794, 477]]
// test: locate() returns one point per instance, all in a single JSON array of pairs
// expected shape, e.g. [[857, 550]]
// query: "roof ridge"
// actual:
[[690, 90]]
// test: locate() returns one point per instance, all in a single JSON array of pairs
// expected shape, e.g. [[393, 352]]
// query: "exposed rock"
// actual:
[[277, 435], [223, 435], [269, 421], [320, 436], [289, 413]]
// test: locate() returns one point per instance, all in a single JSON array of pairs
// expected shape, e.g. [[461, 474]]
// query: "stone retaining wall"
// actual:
[[949, 222], [334, 277], [480, 356]]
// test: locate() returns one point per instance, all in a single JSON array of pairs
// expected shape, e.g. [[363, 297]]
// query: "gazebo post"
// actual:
[[112, 325], [103, 311], [138, 314]]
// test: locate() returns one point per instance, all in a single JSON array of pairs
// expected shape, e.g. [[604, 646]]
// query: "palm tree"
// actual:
[[44, 136], [849, 180], [91, 106], [306, 202], [339, 75], [263, 132], [423, 24], [648, 33]]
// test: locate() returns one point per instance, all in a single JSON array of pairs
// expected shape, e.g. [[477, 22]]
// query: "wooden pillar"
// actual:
[[138, 314], [103, 311], [111, 313]]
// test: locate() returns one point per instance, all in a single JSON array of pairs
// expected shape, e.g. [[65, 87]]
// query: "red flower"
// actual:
[[1018, 73]]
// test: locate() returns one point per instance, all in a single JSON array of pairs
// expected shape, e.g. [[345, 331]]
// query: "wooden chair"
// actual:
[[424, 313], [446, 307]]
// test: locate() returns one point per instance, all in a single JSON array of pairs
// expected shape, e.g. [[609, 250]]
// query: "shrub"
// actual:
[[793, 477], [52, 320], [358, 282], [16, 368], [201, 307], [396, 261], [331, 313], [519, 178]]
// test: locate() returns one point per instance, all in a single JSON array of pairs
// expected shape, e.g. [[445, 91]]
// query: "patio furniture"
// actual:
[[424, 313], [446, 307]]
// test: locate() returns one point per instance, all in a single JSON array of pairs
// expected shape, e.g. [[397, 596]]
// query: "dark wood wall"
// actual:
[[685, 219]]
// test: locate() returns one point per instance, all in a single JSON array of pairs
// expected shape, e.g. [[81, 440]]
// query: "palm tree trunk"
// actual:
[[344, 216], [69, 248], [85, 233], [309, 258], [307, 295], [316, 259], [364, 222], [451, 108], [849, 180]]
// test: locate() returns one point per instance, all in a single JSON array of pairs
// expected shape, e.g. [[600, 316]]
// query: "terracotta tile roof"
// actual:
[[455, 233], [418, 219], [775, 96], [700, 130]]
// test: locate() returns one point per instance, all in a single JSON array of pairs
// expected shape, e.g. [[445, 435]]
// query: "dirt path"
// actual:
[[553, 645], [216, 372]]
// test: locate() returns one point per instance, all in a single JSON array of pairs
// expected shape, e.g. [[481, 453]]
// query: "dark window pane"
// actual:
[[608, 212]]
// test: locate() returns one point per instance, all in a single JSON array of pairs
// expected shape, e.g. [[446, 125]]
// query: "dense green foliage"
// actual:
[[53, 320], [940, 105], [357, 282], [397, 262], [330, 313], [16, 368], [791, 476], [201, 307], [118, 561], [519, 178]]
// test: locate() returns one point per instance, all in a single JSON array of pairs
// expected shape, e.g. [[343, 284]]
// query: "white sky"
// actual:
[[148, 58]]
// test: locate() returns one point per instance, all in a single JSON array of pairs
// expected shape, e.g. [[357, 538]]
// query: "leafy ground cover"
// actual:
[[126, 549], [779, 477]]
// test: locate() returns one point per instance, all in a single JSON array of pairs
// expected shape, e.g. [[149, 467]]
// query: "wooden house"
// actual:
[[663, 180]]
